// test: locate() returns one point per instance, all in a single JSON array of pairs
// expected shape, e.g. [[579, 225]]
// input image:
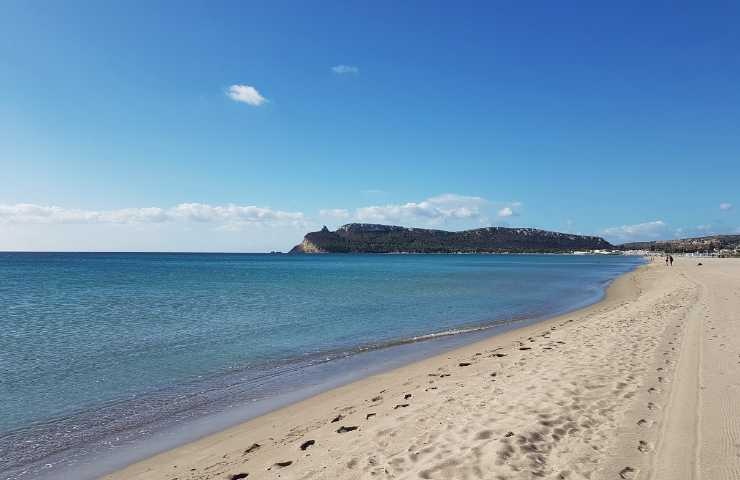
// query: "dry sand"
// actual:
[[643, 385]]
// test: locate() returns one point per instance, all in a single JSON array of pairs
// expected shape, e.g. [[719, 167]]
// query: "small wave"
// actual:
[[455, 331], [436, 335]]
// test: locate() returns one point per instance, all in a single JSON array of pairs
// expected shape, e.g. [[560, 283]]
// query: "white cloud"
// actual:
[[29, 213], [432, 210], [697, 231], [340, 213], [231, 214], [505, 212], [345, 70], [654, 230], [659, 230], [246, 94], [725, 206]]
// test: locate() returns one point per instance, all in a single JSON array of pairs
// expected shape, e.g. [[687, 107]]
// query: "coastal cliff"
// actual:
[[372, 238]]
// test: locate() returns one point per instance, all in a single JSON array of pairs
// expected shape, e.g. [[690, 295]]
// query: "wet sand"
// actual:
[[645, 384]]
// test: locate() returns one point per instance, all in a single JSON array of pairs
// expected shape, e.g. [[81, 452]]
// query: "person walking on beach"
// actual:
[[670, 257], [666, 260]]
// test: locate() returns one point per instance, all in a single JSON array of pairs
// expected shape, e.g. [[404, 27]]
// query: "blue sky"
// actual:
[[218, 126]]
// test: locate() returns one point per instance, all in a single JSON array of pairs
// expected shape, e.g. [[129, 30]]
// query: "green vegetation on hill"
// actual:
[[371, 238]]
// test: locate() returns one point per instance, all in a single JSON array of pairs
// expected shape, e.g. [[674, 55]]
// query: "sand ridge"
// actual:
[[613, 391]]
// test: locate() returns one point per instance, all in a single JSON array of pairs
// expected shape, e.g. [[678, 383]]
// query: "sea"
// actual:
[[107, 358]]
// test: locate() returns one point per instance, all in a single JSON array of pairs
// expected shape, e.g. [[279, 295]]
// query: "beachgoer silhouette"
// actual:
[[671, 259], [666, 260]]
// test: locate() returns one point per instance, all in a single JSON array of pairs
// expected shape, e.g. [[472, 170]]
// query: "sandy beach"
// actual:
[[643, 385]]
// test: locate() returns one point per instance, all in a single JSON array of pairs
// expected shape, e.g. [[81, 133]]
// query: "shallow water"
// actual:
[[105, 352]]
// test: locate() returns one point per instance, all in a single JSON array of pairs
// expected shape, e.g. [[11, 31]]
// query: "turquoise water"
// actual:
[[100, 350]]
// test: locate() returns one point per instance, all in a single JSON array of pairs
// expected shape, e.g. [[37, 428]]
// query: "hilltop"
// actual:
[[372, 238]]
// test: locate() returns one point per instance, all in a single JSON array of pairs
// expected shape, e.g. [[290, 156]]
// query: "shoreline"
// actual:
[[618, 290], [246, 399], [642, 385]]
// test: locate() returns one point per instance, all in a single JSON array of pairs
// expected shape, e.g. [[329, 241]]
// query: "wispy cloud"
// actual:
[[654, 230], [433, 211], [510, 209], [724, 206], [233, 215], [697, 231], [336, 213], [660, 230], [246, 94], [345, 70], [506, 212], [449, 209], [569, 224]]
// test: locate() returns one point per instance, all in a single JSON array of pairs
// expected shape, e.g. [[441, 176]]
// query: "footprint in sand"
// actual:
[[251, 449], [238, 476], [627, 473], [337, 418], [307, 444], [344, 429], [643, 446], [484, 435]]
